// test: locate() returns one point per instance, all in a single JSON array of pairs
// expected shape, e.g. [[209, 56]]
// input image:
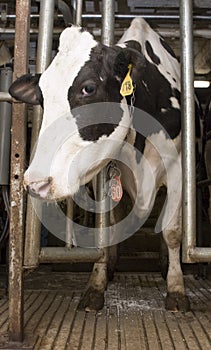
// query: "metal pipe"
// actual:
[[64, 254], [199, 254], [69, 201], [103, 218], [169, 33], [79, 6], [188, 130], [5, 96], [18, 146], [127, 16], [108, 22], [45, 38]]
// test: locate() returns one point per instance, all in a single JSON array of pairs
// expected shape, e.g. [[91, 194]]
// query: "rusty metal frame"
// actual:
[[18, 146]]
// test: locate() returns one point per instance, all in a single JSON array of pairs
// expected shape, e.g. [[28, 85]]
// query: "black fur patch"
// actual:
[[151, 53], [93, 119], [152, 97], [167, 48], [132, 44]]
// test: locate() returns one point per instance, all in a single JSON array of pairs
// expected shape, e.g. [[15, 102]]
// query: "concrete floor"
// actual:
[[133, 317]]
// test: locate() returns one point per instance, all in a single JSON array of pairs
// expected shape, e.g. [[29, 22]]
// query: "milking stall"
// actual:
[[73, 273]]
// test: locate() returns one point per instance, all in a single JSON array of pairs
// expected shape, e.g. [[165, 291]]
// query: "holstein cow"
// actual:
[[142, 72]]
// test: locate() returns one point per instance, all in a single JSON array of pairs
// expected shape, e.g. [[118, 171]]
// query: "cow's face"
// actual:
[[81, 128]]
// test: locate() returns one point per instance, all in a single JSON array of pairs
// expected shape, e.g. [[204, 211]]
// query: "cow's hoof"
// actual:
[[177, 302], [92, 300]]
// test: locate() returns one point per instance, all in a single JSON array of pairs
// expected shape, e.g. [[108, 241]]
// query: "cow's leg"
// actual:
[[176, 300], [93, 297]]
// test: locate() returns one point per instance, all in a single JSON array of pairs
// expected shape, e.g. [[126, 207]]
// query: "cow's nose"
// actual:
[[39, 189]]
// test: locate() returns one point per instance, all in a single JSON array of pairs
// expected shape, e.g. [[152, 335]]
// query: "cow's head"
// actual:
[[80, 123]]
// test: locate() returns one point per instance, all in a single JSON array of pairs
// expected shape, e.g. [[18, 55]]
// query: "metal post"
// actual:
[[188, 129], [70, 207], [18, 146], [69, 226], [5, 96], [108, 22], [190, 252], [79, 6], [44, 52], [103, 218]]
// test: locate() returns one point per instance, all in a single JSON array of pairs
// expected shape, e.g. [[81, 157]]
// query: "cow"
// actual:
[[138, 82]]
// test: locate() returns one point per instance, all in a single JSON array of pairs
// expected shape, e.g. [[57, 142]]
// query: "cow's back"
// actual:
[[155, 50]]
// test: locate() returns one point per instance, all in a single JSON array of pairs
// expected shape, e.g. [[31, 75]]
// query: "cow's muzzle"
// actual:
[[40, 189]]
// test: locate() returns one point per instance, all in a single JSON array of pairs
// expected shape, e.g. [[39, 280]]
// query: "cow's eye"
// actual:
[[88, 90]]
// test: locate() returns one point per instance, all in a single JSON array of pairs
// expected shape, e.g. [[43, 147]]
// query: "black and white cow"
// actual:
[[85, 72]]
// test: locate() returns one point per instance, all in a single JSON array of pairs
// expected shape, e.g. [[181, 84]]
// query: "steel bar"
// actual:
[[200, 254], [148, 17], [45, 38], [169, 33], [108, 22], [79, 6], [18, 146], [188, 130], [5, 96], [130, 16], [65, 254], [69, 201], [103, 218]]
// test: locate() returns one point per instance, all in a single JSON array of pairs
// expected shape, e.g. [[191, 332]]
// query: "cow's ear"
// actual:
[[125, 58], [26, 89]]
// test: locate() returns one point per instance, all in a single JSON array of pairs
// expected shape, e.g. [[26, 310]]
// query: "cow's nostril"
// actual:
[[39, 189]]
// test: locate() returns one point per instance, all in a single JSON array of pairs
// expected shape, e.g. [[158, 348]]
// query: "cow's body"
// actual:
[[85, 72]]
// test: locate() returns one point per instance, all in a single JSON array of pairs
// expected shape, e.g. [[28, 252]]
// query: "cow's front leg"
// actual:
[[176, 300], [93, 297]]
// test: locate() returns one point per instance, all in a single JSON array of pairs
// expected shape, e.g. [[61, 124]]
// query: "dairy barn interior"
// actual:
[[43, 277]]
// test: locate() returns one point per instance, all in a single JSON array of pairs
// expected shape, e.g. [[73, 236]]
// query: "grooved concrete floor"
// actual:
[[133, 318]]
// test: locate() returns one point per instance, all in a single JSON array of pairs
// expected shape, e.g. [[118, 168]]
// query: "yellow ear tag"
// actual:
[[127, 84]]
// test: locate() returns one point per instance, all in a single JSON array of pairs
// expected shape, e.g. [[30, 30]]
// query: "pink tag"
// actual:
[[116, 189]]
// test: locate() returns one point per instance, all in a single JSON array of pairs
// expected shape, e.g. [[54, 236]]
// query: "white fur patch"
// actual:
[[74, 51], [175, 102]]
